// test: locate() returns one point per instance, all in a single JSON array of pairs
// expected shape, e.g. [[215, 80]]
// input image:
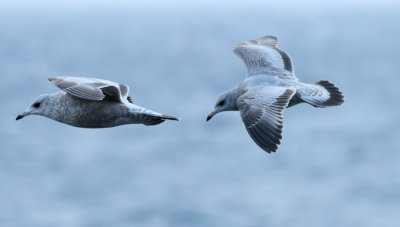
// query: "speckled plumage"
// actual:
[[270, 87], [113, 109]]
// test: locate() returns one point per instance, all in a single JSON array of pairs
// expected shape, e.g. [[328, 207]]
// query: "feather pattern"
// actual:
[[92, 88], [262, 56], [320, 94], [261, 111]]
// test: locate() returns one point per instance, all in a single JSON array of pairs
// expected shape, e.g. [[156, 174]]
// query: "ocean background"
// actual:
[[335, 167]]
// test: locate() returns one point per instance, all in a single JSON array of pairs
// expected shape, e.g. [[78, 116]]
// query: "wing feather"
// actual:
[[262, 56], [91, 88], [261, 111], [85, 92], [124, 90]]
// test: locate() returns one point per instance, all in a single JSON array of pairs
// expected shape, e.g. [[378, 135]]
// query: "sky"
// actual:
[[180, 4]]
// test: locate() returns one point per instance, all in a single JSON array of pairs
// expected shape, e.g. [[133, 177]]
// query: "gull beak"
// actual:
[[20, 116], [211, 115]]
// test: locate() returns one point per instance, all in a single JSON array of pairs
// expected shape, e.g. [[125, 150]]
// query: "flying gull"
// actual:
[[271, 86], [92, 103]]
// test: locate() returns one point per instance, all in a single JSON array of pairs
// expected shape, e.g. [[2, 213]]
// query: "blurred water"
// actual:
[[335, 167]]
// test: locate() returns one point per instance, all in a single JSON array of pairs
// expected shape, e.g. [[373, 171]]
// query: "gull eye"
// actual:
[[36, 104], [221, 103]]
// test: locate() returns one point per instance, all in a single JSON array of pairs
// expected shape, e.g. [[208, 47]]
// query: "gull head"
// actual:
[[38, 107], [227, 101]]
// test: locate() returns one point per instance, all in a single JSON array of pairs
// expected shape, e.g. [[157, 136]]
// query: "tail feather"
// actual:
[[336, 97], [166, 117], [151, 119], [321, 94]]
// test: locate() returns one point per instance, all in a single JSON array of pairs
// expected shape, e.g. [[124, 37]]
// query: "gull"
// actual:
[[270, 87], [92, 103]]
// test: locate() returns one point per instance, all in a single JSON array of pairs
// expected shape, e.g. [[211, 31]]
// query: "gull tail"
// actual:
[[320, 94], [166, 117], [152, 119]]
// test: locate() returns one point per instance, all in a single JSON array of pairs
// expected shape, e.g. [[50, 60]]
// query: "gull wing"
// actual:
[[91, 88], [262, 56], [261, 111]]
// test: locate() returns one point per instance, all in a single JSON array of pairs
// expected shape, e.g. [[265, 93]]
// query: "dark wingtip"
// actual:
[[19, 117], [171, 118], [129, 98]]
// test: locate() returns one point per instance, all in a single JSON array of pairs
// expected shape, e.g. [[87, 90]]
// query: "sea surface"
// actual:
[[335, 167]]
